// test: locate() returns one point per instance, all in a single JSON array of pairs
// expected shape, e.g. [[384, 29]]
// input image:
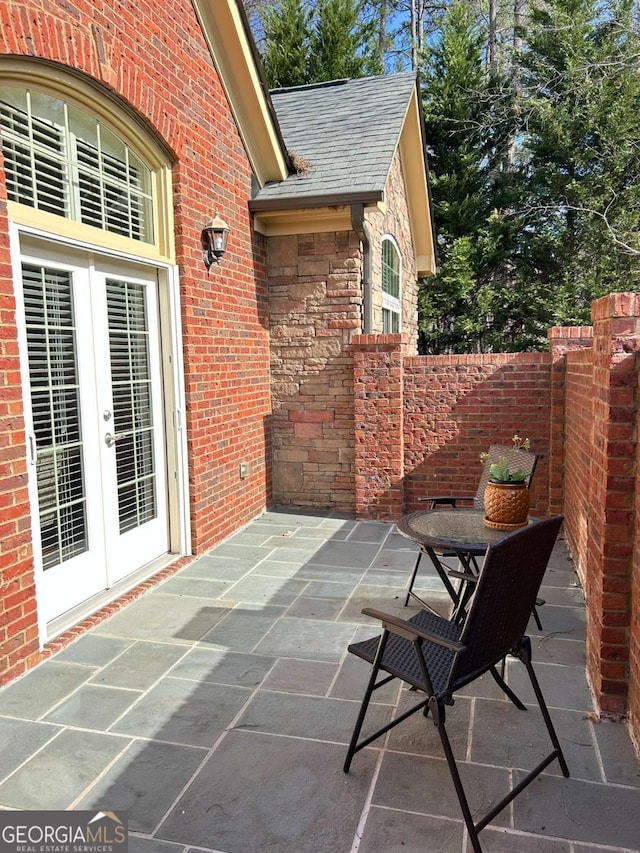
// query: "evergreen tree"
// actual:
[[532, 126], [469, 128], [286, 43], [581, 119], [341, 42]]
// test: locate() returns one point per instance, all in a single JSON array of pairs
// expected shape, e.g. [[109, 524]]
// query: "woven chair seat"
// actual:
[[400, 657]]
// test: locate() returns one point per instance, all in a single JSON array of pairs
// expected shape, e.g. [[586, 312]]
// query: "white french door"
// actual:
[[97, 433]]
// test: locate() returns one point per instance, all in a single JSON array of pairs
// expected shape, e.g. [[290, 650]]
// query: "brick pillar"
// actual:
[[616, 340], [378, 417], [562, 339]]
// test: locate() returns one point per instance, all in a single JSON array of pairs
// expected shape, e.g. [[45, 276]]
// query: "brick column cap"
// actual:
[[616, 305], [378, 341], [571, 333]]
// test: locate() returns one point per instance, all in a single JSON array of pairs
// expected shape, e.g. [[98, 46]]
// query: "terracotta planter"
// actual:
[[506, 505]]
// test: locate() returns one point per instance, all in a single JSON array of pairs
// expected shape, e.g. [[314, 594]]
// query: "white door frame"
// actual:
[[174, 401]]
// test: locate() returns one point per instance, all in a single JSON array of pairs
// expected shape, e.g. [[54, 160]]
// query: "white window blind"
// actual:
[[53, 375], [132, 409], [61, 160]]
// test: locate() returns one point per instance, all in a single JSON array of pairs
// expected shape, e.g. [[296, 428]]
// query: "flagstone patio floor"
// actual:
[[216, 710]]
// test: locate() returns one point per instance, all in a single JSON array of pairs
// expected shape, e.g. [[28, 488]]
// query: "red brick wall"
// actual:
[[18, 620], [154, 59], [562, 340], [421, 423], [612, 475], [634, 630], [456, 406], [578, 439]]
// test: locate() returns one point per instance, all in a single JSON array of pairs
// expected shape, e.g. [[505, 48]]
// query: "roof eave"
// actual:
[[294, 202]]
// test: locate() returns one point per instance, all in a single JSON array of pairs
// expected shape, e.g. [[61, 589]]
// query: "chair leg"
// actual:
[[525, 657], [438, 714], [371, 686], [536, 616], [502, 684]]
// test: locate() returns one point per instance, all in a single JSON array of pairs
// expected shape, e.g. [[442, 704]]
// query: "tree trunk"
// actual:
[[492, 36], [382, 31], [414, 35]]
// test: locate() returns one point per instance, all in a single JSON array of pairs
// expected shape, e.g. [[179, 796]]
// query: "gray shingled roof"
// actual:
[[347, 130]]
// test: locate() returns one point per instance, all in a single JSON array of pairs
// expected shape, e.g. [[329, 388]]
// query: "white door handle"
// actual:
[[111, 438]]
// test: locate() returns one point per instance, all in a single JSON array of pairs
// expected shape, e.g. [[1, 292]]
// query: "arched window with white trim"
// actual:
[[391, 286]]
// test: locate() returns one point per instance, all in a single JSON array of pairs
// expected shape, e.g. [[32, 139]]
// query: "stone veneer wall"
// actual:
[[394, 221], [315, 307], [315, 303]]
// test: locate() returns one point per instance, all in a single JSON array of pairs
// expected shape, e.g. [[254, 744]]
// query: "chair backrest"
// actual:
[[516, 457], [504, 598]]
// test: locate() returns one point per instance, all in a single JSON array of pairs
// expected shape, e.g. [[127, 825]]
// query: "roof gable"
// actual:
[[347, 130]]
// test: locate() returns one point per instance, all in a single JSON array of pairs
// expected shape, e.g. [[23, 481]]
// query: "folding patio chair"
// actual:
[[516, 457], [438, 656]]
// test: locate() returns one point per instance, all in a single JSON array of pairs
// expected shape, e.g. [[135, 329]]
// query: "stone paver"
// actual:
[[216, 709]]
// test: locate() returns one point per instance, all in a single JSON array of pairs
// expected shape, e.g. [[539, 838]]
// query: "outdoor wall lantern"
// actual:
[[214, 241]]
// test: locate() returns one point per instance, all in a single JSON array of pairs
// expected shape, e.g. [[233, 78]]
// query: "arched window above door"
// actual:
[[61, 160], [73, 152]]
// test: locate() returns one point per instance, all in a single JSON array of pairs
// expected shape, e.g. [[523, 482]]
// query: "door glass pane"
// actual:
[[51, 345], [133, 417]]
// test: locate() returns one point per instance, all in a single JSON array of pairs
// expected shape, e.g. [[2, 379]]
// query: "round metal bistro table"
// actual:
[[454, 532]]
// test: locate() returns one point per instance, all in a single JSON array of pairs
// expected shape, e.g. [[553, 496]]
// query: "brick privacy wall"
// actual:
[[562, 340], [578, 439], [612, 479], [395, 222], [456, 406], [315, 304], [634, 631], [154, 59], [453, 407]]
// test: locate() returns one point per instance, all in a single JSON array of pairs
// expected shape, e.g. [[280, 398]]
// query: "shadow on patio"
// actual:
[[216, 710]]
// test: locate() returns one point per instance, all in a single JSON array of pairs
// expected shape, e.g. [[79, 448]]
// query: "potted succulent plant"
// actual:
[[506, 496]]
